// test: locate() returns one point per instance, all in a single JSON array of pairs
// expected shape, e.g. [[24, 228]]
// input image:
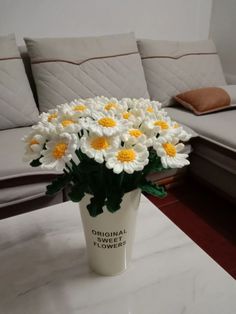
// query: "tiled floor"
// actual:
[[205, 217]]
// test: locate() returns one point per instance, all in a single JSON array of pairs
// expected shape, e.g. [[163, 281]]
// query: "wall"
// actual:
[[161, 19], [222, 30]]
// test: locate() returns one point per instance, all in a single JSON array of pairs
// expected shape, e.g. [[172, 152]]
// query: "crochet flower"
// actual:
[[34, 146], [127, 159], [169, 152], [59, 151], [106, 124], [95, 146]]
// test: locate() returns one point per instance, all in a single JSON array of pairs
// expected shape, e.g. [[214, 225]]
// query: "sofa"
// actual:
[[62, 69], [172, 68]]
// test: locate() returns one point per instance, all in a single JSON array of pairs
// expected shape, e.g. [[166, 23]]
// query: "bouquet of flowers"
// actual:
[[106, 147]]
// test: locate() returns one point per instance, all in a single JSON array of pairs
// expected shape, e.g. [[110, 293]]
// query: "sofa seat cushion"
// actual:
[[21, 193], [11, 157], [19, 182], [218, 128]]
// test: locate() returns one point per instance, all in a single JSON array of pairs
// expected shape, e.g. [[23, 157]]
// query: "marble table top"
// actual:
[[43, 269]]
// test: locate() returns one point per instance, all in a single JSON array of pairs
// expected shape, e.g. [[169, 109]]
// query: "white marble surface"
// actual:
[[43, 269]]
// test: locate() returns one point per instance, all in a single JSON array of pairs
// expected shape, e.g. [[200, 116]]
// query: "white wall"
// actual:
[[161, 19], [223, 32]]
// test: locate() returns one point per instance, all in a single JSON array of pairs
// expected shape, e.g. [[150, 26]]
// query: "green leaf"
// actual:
[[95, 206], [77, 192], [35, 163], [153, 189], [58, 184]]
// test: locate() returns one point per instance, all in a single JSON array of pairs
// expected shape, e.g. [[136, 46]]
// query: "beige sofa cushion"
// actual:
[[218, 127], [231, 91], [68, 68], [173, 67], [17, 105]]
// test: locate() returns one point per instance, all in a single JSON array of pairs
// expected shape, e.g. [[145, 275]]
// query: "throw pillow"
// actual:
[[69, 68], [17, 105], [204, 100]]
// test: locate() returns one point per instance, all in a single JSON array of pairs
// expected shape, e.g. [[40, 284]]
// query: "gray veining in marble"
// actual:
[[43, 269]]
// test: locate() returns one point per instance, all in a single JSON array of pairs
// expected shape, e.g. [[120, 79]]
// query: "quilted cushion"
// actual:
[[173, 67], [17, 105], [68, 68]]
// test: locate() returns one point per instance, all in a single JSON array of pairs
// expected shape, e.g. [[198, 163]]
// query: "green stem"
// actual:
[[68, 167], [121, 178]]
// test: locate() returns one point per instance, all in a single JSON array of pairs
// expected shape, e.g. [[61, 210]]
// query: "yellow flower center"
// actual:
[[110, 105], [79, 108], [176, 125], [99, 143], [126, 115], [59, 150], [65, 123], [135, 132], [150, 109], [33, 142], [126, 155], [170, 149], [162, 124], [107, 122], [52, 116]]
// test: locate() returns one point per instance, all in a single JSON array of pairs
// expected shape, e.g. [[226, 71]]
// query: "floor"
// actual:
[[206, 218]]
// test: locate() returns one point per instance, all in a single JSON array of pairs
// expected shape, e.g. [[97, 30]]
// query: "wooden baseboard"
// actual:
[[171, 181]]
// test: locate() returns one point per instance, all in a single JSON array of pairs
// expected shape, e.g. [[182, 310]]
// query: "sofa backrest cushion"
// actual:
[[17, 105], [69, 68], [173, 67]]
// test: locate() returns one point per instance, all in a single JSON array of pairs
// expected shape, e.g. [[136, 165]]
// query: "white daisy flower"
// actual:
[[132, 102], [80, 108], [98, 102], [34, 146], [49, 117], [168, 150], [149, 107], [46, 129], [127, 115], [96, 147], [156, 125], [68, 122], [128, 159], [59, 151], [133, 136], [138, 113], [112, 105], [178, 131], [107, 124]]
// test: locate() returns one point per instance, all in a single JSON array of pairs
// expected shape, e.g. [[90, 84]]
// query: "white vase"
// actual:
[[109, 236]]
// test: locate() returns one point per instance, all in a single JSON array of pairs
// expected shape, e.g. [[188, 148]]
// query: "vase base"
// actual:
[[100, 273]]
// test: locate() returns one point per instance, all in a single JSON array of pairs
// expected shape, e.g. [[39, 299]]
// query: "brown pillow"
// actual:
[[204, 100]]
